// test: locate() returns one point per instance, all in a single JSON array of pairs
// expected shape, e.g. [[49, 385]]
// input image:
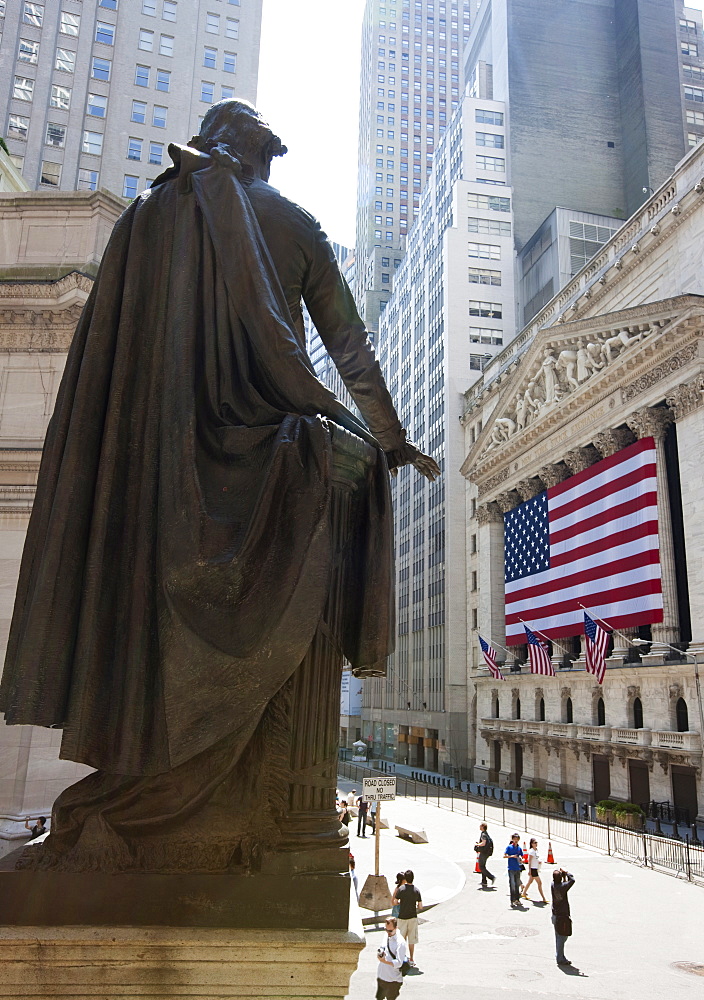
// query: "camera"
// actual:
[[381, 952]]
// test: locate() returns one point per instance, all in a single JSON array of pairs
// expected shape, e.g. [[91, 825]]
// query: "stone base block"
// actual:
[[155, 963]]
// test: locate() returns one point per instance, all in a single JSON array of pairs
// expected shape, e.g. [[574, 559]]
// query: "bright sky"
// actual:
[[309, 91]]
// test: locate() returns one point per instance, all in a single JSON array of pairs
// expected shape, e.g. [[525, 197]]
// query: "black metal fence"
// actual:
[[681, 858]]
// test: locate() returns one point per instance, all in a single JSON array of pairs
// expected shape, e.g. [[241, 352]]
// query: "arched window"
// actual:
[[637, 713], [600, 713], [518, 708], [496, 708], [682, 715], [568, 710], [541, 710]]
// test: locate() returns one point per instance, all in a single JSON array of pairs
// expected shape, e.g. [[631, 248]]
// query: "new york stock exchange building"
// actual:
[[584, 469]]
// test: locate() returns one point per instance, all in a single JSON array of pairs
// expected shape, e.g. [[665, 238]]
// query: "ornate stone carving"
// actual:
[[659, 372], [529, 488], [489, 513], [508, 500], [551, 475], [650, 421], [609, 442], [686, 397], [493, 481], [579, 459]]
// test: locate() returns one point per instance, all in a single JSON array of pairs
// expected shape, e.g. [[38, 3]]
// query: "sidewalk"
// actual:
[[631, 926]]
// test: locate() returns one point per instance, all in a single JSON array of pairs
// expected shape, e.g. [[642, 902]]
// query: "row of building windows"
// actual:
[[681, 713]]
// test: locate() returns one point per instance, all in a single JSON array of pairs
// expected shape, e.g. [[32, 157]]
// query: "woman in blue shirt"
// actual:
[[515, 860]]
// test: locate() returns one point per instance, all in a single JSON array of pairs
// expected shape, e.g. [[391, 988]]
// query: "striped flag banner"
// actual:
[[490, 659], [596, 645], [591, 540], [540, 662]]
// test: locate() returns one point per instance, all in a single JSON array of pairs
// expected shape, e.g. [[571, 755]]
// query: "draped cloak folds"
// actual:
[[178, 556]]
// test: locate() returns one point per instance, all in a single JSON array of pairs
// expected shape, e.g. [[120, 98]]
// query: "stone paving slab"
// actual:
[[632, 926]]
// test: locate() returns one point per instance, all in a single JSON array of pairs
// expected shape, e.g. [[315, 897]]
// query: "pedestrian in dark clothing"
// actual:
[[363, 807], [484, 848], [515, 864], [562, 882], [409, 899]]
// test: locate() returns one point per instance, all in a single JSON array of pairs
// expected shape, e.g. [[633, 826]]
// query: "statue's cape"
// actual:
[[178, 556]]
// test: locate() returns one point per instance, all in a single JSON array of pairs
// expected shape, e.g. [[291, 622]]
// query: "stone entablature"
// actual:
[[664, 352]]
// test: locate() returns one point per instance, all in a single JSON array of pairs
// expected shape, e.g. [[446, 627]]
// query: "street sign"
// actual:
[[379, 789]]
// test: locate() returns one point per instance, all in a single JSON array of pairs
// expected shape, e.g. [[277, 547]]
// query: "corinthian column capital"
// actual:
[[651, 421], [579, 459], [609, 442], [489, 513]]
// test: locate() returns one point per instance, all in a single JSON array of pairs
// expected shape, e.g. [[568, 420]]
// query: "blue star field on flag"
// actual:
[[527, 539]]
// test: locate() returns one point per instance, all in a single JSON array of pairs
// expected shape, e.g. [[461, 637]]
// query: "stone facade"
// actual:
[[617, 355], [50, 246]]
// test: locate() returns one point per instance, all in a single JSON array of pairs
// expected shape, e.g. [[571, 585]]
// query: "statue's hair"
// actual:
[[237, 123]]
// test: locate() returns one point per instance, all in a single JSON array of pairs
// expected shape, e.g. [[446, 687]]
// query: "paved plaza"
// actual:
[[632, 927]]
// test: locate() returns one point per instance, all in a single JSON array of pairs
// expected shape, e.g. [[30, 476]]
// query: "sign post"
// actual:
[[375, 894]]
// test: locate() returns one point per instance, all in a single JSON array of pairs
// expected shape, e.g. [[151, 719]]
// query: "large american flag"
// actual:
[[540, 662], [490, 659], [591, 540], [597, 641]]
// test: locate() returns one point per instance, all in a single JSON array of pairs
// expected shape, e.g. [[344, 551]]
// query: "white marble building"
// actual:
[[50, 247], [636, 313]]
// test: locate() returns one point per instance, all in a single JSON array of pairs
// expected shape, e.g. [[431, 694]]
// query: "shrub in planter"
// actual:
[[629, 814], [533, 793], [605, 810], [550, 800]]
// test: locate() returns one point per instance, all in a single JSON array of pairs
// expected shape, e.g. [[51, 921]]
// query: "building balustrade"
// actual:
[[660, 738]]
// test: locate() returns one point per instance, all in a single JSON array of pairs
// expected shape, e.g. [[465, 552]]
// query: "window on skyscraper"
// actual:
[[92, 143], [134, 149], [97, 106], [694, 94], [163, 80], [166, 45], [65, 60], [33, 13], [87, 180], [69, 23], [689, 48], [141, 76], [51, 173], [105, 33], [491, 163], [28, 51], [18, 126], [159, 116], [490, 310], [23, 89], [207, 92], [210, 57], [129, 186], [60, 97], [490, 139], [146, 40], [139, 112], [212, 23], [168, 12], [156, 152], [484, 251]]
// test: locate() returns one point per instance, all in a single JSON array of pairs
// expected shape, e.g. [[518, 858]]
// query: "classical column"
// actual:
[[529, 488], [490, 571], [551, 475], [579, 459], [653, 421], [607, 443], [508, 500], [686, 402]]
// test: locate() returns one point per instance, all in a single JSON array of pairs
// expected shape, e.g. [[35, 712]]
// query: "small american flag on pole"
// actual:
[[490, 659], [540, 662], [597, 641]]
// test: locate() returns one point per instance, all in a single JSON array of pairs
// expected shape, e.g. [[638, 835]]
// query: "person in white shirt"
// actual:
[[392, 955], [534, 866], [352, 797]]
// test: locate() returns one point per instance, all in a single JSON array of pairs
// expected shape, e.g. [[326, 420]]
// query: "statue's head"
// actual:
[[238, 125]]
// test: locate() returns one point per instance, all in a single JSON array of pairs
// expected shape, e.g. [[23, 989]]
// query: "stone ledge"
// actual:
[[153, 963]]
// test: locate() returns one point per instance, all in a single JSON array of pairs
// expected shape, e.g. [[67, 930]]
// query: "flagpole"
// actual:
[[596, 618], [547, 638], [507, 651]]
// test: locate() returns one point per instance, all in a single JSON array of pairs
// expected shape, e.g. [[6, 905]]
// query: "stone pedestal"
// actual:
[[154, 963]]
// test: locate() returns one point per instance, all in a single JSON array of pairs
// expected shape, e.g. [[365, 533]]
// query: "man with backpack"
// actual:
[[484, 848]]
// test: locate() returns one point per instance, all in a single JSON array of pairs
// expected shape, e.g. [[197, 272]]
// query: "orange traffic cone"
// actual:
[[525, 853], [477, 869], [551, 858]]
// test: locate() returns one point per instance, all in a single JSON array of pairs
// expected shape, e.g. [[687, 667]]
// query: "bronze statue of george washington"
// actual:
[[212, 529]]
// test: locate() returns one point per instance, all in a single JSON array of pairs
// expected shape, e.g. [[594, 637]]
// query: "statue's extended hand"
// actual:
[[410, 455]]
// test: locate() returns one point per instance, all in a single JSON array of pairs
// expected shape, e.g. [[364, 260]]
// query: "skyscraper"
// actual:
[[96, 89], [573, 115], [409, 87]]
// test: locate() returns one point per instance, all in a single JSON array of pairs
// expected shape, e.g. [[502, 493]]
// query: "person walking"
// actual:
[[352, 797], [514, 854], [363, 807], [562, 882], [392, 955], [534, 866], [399, 881], [409, 899], [484, 848]]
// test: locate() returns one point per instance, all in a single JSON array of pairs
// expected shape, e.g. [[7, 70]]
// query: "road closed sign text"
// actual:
[[379, 789]]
